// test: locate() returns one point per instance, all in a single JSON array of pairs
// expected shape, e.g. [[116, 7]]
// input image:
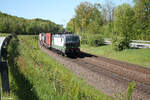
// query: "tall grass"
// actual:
[[3, 34], [130, 90]]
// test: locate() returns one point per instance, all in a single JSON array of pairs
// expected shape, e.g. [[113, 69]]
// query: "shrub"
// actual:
[[84, 39], [96, 40], [92, 40], [121, 43]]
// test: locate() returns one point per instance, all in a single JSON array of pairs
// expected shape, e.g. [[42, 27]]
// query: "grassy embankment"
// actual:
[[135, 56], [34, 75], [3, 34]]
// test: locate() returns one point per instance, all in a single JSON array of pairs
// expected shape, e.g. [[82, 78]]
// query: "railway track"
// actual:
[[108, 75], [126, 70], [118, 72]]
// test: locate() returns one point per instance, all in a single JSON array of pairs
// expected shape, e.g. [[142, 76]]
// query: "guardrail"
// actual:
[[4, 41], [139, 44], [140, 41]]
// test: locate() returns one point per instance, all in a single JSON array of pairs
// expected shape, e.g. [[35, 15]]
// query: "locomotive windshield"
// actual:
[[72, 39], [76, 38]]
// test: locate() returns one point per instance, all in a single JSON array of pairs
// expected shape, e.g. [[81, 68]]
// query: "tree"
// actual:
[[108, 14], [96, 21], [124, 20], [71, 25], [87, 19], [13, 24], [142, 16], [123, 26], [108, 10], [83, 15]]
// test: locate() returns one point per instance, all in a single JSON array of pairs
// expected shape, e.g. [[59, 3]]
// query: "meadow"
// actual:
[[135, 56]]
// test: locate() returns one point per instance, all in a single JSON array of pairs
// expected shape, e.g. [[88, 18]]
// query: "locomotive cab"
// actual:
[[72, 44]]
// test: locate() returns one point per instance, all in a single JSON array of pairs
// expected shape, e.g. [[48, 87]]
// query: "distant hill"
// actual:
[[19, 25]]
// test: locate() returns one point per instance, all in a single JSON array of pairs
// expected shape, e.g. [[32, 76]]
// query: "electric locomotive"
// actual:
[[66, 44]]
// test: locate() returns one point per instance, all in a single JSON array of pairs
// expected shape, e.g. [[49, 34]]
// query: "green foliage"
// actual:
[[13, 24], [88, 23], [130, 90], [108, 30], [92, 40], [12, 49], [3, 34], [88, 19], [84, 39], [121, 43], [142, 17], [123, 20], [96, 40], [128, 22], [71, 25], [123, 26]]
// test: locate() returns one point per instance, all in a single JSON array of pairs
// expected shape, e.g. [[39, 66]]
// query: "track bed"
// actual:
[[107, 75]]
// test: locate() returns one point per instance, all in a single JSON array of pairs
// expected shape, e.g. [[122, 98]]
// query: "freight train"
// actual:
[[65, 44]]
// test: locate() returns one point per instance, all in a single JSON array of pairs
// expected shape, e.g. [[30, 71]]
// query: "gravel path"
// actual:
[[107, 75]]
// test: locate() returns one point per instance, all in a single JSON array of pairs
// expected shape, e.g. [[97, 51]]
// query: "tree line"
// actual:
[[14, 24], [121, 23]]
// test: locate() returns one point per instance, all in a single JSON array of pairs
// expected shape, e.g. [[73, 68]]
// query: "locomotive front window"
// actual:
[[72, 39], [68, 39], [75, 38]]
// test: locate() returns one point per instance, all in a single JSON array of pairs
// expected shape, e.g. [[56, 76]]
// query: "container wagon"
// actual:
[[66, 44]]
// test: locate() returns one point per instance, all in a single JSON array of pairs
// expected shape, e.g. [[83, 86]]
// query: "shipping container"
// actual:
[[48, 39]]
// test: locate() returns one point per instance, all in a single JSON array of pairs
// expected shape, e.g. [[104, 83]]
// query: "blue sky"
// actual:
[[58, 11]]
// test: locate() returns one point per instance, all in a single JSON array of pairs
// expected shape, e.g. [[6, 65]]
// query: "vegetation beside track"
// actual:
[[3, 34], [34, 75], [135, 56]]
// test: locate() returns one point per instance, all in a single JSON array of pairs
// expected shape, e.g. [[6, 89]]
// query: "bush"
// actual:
[[92, 40], [96, 40], [84, 39], [121, 43]]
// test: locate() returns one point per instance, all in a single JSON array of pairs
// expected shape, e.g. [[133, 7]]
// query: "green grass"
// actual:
[[34, 75], [135, 56], [3, 34]]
